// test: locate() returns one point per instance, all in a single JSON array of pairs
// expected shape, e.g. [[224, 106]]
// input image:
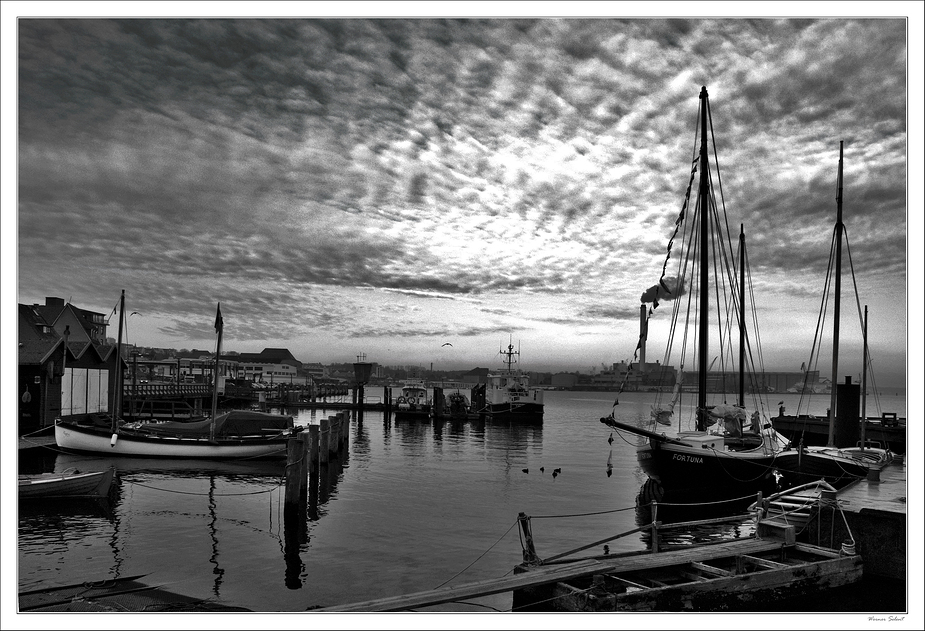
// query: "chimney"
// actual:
[[643, 334], [51, 301]]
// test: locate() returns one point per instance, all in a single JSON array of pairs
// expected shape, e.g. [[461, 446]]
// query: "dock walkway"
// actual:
[[557, 573]]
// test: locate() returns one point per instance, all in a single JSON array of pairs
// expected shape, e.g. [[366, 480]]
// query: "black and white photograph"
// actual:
[[402, 314]]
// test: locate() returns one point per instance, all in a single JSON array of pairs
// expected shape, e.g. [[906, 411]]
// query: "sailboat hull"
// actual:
[[704, 472], [73, 437]]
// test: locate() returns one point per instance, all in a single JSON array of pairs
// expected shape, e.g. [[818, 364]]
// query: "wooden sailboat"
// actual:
[[743, 454], [846, 435], [234, 434], [70, 484]]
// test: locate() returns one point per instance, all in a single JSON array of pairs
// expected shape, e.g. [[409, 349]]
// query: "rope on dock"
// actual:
[[603, 512]]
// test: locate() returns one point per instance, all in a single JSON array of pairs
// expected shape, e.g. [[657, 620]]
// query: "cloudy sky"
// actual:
[[348, 186]]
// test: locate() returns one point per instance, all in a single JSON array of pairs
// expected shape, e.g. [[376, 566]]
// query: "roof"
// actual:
[[269, 356], [54, 307], [36, 338]]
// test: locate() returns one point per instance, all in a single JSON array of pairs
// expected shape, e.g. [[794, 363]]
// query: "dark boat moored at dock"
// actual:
[[886, 432], [508, 395], [721, 449]]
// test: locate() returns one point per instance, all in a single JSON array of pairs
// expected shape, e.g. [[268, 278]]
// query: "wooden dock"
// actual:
[[758, 568], [875, 510]]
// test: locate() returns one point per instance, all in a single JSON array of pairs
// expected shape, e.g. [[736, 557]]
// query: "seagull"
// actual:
[[542, 469], [610, 440], [133, 313], [555, 472], [446, 344], [526, 470]]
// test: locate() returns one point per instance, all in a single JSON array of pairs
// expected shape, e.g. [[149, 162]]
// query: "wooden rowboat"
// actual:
[[94, 484]]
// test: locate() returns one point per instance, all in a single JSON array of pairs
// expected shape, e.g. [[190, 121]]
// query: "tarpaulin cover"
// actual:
[[234, 423]]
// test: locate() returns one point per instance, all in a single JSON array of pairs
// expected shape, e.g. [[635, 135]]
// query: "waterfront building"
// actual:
[[60, 376], [84, 325]]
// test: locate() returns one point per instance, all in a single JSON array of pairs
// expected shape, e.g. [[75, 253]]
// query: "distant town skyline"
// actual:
[[383, 187]]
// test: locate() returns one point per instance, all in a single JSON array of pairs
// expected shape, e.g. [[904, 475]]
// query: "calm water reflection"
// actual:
[[411, 506]]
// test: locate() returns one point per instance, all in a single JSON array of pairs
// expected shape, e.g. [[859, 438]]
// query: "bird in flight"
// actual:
[[447, 344], [133, 313]]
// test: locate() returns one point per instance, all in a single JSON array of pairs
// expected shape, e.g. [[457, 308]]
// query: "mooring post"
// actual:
[[530, 556], [305, 462], [335, 433], [324, 450], [294, 457], [655, 525]]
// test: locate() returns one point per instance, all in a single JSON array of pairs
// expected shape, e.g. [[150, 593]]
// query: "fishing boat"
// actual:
[[69, 484], [234, 434], [459, 405], [508, 395], [722, 445], [413, 402]]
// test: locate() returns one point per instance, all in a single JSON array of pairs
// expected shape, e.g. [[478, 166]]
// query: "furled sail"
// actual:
[[662, 413]]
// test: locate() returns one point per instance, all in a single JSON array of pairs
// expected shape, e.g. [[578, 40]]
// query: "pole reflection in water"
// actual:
[[407, 508], [217, 571]]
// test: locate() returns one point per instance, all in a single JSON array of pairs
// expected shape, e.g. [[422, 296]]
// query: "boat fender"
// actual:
[[112, 441]]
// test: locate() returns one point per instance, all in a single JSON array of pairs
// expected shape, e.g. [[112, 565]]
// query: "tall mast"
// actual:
[[864, 387], [839, 228], [117, 394], [219, 326], [704, 200], [742, 315]]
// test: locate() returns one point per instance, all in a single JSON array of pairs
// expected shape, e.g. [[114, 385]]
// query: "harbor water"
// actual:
[[410, 507]]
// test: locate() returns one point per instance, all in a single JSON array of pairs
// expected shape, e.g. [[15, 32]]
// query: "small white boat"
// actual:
[[73, 484], [413, 402]]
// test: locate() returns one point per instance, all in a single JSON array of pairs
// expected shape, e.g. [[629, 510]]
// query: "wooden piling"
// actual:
[[294, 482], [335, 435], [324, 449], [530, 556], [655, 525], [313, 442], [305, 463], [438, 400]]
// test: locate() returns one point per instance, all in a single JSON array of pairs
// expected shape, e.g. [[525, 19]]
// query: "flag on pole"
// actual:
[[219, 323]]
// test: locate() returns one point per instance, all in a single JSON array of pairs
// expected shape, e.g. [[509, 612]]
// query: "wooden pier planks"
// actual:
[[540, 576], [558, 572]]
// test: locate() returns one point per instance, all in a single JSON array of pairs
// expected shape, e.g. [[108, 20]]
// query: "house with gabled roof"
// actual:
[[60, 376], [85, 325]]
